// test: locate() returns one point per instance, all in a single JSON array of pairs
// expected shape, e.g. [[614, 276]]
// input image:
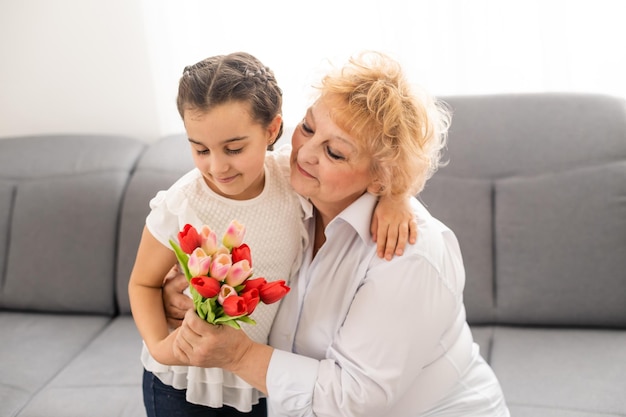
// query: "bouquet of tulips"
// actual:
[[219, 275]]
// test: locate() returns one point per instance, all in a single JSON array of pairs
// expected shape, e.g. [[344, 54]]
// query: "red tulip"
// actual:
[[242, 252], [206, 286], [254, 283], [234, 306], [273, 291], [189, 239], [252, 298]]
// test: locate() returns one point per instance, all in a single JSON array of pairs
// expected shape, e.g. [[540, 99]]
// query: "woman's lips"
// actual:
[[303, 172]]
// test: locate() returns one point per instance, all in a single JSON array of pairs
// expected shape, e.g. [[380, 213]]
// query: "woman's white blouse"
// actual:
[[378, 338]]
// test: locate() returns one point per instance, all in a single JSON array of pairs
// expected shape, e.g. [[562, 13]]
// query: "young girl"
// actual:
[[231, 109]]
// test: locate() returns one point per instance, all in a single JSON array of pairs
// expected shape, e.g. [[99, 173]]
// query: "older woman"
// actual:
[[358, 335]]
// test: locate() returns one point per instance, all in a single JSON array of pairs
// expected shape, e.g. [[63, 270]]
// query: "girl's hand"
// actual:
[[393, 224], [163, 351], [175, 303]]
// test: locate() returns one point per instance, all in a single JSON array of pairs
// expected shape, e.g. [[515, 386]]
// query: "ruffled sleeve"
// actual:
[[170, 210]]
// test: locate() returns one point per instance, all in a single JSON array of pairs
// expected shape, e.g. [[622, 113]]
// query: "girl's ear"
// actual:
[[273, 129]]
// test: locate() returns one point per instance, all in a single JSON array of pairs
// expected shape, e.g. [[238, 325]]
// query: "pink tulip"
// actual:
[[238, 273], [225, 292], [208, 240], [234, 235], [199, 262], [222, 250], [220, 266]]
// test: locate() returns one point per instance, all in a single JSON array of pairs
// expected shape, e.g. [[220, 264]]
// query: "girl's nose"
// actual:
[[217, 164]]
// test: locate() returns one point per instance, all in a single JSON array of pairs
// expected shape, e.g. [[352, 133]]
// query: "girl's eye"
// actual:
[[234, 151], [334, 155], [202, 152]]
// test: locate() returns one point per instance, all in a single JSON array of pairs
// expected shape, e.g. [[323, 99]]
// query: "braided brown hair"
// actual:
[[234, 77]]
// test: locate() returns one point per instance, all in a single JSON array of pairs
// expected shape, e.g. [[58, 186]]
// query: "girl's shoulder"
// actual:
[[279, 159], [188, 178]]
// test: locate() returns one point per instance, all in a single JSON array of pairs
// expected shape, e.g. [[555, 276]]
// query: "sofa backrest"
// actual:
[[535, 190], [163, 162], [59, 204]]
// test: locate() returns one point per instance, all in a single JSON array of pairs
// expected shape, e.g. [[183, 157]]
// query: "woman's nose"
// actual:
[[308, 152]]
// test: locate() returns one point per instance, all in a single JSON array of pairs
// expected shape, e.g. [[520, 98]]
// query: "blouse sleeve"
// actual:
[[393, 330]]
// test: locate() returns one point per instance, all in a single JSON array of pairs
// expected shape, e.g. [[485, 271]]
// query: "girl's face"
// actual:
[[326, 166], [228, 147]]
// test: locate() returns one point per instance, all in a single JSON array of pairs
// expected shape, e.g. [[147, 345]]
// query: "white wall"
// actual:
[[112, 66], [75, 66]]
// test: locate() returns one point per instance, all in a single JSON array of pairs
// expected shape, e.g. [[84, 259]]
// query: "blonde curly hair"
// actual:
[[403, 132]]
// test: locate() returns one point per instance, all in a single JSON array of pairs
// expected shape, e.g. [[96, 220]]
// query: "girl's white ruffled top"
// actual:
[[276, 236]]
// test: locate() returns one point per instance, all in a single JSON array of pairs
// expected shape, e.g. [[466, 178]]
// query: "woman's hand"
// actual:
[[205, 345], [393, 224]]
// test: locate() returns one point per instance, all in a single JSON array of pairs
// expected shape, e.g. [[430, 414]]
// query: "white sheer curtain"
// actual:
[[448, 46]]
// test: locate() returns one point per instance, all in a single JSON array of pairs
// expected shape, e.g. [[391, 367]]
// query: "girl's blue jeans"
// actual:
[[163, 400]]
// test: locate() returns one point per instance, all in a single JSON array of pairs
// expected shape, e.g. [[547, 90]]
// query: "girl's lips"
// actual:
[[225, 180]]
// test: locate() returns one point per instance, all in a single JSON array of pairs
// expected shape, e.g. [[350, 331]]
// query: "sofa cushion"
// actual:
[[142, 188], [62, 247], [561, 372], [62, 213], [466, 206], [34, 348], [564, 266], [106, 376], [7, 189], [159, 167], [483, 336], [508, 135]]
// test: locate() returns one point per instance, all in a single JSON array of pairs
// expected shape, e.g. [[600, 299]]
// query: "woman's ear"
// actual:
[[376, 187]]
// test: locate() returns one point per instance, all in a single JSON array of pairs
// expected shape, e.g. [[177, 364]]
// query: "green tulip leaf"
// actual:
[[231, 323], [182, 257]]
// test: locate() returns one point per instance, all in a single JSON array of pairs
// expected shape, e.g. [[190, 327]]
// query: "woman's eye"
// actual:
[[202, 151], [334, 155], [306, 128]]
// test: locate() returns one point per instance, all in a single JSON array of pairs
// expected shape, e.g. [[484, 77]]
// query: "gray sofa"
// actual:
[[535, 190]]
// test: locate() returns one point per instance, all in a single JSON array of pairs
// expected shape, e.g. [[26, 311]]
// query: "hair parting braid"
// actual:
[[190, 69], [260, 74]]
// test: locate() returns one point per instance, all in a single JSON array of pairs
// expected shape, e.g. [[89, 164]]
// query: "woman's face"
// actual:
[[228, 148], [326, 165]]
